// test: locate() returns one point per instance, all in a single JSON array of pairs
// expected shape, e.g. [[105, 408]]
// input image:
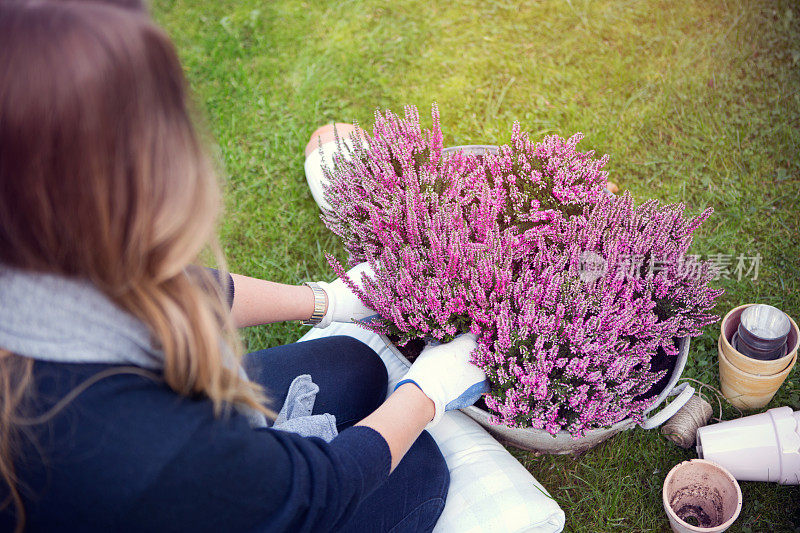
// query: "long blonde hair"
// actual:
[[103, 177]]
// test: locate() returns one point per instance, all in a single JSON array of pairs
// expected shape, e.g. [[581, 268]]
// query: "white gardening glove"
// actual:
[[446, 376], [343, 305]]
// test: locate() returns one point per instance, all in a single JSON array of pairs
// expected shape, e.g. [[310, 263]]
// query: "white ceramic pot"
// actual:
[[540, 441], [762, 447]]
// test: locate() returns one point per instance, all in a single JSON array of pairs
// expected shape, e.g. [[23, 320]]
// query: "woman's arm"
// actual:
[[401, 419], [257, 301], [441, 379]]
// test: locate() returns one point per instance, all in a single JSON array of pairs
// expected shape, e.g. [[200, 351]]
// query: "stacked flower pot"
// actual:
[[749, 382]]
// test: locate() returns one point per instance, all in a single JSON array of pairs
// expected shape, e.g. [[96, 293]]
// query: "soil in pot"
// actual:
[[661, 361], [411, 350]]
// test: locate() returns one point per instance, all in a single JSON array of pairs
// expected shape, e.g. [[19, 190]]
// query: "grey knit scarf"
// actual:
[[64, 320]]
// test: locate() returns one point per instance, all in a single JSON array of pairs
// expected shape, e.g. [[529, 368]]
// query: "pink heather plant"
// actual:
[[499, 245], [445, 232], [540, 185], [570, 349], [426, 227]]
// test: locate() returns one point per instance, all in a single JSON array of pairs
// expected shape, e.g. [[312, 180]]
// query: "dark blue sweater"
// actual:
[[128, 454]]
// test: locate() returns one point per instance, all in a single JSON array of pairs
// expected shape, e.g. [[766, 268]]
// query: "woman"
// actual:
[[122, 406]]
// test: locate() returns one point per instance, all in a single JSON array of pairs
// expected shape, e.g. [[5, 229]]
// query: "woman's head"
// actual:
[[101, 172], [103, 177]]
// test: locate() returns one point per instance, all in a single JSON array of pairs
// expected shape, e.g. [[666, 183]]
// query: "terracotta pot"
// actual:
[[748, 364], [702, 492], [746, 390]]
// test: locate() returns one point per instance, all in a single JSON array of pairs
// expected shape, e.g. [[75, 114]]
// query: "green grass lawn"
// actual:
[[695, 101]]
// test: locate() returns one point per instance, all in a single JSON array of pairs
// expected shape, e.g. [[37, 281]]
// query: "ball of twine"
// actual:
[[682, 427]]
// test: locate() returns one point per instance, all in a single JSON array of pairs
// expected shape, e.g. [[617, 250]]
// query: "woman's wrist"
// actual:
[[320, 304], [417, 400], [401, 419], [259, 301]]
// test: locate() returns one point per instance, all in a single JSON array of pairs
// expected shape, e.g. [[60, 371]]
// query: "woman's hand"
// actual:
[[441, 379], [343, 304], [446, 375]]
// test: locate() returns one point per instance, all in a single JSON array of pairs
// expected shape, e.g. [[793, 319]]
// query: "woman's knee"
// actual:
[[328, 133], [351, 377], [359, 370], [358, 356], [428, 458], [424, 461], [343, 367]]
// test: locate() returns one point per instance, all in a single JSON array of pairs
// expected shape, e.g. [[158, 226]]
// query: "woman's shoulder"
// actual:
[[111, 394]]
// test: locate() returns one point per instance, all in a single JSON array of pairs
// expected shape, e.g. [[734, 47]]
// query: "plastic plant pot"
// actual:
[[762, 332], [762, 447], [729, 328], [701, 496], [768, 354]]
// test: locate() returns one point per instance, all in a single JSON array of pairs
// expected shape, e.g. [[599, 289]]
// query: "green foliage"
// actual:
[[695, 101]]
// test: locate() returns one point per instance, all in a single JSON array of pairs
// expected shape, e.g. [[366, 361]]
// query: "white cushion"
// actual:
[[490, 491]]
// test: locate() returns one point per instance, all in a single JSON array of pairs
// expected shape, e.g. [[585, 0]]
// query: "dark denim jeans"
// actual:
[[352, 384]]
